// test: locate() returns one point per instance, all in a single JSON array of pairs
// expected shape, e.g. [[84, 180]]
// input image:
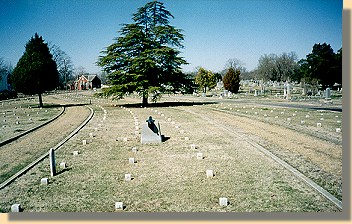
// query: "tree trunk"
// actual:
[[145, 100], [40, 100]]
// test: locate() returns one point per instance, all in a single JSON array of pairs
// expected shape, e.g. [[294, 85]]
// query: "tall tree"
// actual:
[[232, 80], [205, 79], [322, 66], [64, 65], [36, 71], [145, 57]]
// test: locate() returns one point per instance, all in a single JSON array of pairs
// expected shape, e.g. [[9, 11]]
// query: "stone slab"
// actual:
[[148, 136]]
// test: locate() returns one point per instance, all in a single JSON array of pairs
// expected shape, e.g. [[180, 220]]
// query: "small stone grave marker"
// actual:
[[151, 132], [318, 125], [84, 142], [128, 177], [118, 205], [209, 173], [288, 119], [131, 160], [91, 135], [16, 208], [62, 165], [223, 201], [322, 119], [200, 155], [307, 116], [134, 149], [193, 146], [302, 122], [338, 129], [44, 181]]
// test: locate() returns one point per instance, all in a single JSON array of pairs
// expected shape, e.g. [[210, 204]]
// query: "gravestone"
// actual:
[[223, 201], [193, 146], [84, 142], [327, 93], [318, 125], [44, 181], [209, 173], [128, 177], [338, 129], [134, 149], [151, 132], [15, 208], [200, 155], [62, 165], [52, 162], [131, 160], [119, 206]]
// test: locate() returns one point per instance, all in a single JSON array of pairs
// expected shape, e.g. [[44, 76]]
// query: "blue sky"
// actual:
[[215, 30]]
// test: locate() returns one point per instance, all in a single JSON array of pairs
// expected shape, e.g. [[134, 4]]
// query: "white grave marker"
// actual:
[[338, 129], [84, 142], [131, 160], [62, 165], [318, 125], [209, 173], [200, 155], [223, 201], [193, 146], [15, 208], [44, 181], [128, 177], [119, 206]]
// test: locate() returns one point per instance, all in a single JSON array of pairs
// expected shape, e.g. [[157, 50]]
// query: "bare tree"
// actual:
[[64, 65]]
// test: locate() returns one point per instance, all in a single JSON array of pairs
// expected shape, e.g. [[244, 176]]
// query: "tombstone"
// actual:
[[288, 119], [209, 173], [327, 93], [338, 129], [307, 116], [223, 201], [318, 125], [128, 177], [131, 160], [16, 208], [134, 149], [151, 132], [118, 205], [44, 181], [322, 119], [91, 135], [288, 91], [52, 162], [193, 146], [62, 165], [303, 122], [255, 93], [200, 155]]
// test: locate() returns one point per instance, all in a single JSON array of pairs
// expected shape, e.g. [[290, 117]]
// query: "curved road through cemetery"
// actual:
[[28, 148]]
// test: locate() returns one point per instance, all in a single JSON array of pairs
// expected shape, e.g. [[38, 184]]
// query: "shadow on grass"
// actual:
[[64, 105], [166, 104], [63, 171], [164, 138]]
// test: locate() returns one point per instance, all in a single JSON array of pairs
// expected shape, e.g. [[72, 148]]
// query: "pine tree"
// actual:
[[36, 71], [232, 80], [144, 57]]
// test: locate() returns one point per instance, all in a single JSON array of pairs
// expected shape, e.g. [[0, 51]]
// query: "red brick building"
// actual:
[[88, 82]]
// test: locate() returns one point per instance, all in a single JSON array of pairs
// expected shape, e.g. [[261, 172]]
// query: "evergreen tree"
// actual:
[[144, 57], [232, 80], [36, 71]]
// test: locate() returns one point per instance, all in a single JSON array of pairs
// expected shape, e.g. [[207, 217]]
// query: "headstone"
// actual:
[[91, 135], [288, 119], [44, 181], [52, 162], [16, 208], [338, 129], [134, 149], [318, 125], [327, 93], [200, 155], [62, 165], [209, 173], [322, 119], [118, 205], [307, 116], [193, 146], [84, 142], [131, 160], [302, 122], [151, 132], [125, 139], [223, 201], [75, 153], [128, 177]]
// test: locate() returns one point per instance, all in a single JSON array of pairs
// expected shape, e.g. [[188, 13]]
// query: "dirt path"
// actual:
[[26, 149]]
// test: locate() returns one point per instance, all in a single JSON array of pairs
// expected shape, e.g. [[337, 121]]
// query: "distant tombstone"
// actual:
[[307, 116], [131, 160], [128, 177], [16, 208], [327, 93], [255, 93], [209, 173], [118, 205], [134, 149], [84, 142], [151, 132], [288, 91], [91, 135], [303, 122], [52, 162], [223, 201], [62, 165], [193, 146], [338, 129], [44, 181], [318, 125], [75, 153], [200, 155]]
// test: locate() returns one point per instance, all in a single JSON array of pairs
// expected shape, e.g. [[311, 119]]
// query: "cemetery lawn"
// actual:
[[168, 177]]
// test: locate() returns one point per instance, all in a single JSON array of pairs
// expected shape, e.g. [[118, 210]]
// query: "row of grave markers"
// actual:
[[53, 171]]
